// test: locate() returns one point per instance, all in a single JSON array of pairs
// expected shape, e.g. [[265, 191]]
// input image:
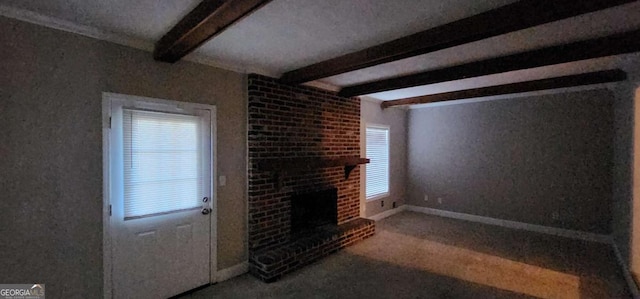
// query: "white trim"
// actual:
[[64, 25], [233, 271], [363, 153], [118, 38], [626, 272], [574, 234], [323, 85], [153, 103], [213, 245], [245, 82], [370, 99], [387, 213], [238, 68], [106, 199], [378, 196], [377, 126]]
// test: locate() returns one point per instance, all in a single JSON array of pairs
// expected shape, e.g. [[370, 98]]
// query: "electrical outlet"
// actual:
[[439, 200], [555, 215], [426, 197], [382, 203]]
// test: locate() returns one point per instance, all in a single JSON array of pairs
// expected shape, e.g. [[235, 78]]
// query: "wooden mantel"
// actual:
[[292, 165]]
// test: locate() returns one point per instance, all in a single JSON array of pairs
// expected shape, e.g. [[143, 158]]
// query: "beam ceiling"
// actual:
[[617, 44], [527, 86], [208, 19], [513, 17]]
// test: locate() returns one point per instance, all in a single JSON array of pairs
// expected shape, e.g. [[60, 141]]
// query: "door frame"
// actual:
[[107, 98]]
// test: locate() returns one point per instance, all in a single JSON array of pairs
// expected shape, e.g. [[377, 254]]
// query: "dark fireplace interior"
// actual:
[[312, 210]]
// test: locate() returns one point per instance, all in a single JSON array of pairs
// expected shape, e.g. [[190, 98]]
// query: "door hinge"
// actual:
[[110, 210], [109, 122]]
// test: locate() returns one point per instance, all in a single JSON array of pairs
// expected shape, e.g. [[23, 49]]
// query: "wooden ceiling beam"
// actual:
[[513, 17], [527, 86], [208, 19], [623, 43]]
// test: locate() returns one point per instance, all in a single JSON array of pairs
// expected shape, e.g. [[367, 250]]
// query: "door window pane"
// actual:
[[162, 162]]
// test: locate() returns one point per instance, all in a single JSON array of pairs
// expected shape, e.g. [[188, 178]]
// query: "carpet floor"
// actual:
[[414, 255]]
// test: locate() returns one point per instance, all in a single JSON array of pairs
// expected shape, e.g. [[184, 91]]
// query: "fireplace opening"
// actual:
[[313, 210]]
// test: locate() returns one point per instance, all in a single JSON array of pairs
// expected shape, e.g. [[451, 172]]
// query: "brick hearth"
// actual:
[[297, 122], [272, 263]]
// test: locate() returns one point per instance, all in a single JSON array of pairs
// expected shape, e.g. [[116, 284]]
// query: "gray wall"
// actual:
[[522, 159], [51, 87], [623, 169], [395, 118]]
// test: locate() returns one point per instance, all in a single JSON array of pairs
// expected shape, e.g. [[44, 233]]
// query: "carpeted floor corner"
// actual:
[[414, 255]]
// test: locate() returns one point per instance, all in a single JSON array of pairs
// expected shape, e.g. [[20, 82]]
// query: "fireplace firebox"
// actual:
[[313, 210]]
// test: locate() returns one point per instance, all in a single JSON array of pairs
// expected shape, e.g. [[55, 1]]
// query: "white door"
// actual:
[[161, 197]]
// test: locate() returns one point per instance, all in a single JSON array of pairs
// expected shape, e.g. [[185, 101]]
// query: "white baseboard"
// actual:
[[233, 271], [388, 213], [574, 234], [626, 272]]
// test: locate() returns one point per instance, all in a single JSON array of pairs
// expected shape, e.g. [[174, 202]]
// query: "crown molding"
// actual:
[[320, 84], [238, 68], [64, 25], [371, 99], [117, 38]]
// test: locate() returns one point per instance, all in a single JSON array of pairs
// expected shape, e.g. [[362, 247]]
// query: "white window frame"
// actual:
[[167, 106], [386, 194]]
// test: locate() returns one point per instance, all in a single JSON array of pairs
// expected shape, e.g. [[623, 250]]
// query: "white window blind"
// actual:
[[377, 175], [162, 158]]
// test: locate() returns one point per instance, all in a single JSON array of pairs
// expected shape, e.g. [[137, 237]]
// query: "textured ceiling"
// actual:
[[627, 62], [592, 25], [288, 34], [144, 19]]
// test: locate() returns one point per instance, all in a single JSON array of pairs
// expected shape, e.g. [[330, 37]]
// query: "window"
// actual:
[[377, 174], [161, 162], [160, 156]]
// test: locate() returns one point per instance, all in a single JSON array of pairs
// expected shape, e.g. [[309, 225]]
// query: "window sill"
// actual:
[[378, 197]]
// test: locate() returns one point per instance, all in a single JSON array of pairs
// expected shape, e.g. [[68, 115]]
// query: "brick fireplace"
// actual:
[[304, 145]]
